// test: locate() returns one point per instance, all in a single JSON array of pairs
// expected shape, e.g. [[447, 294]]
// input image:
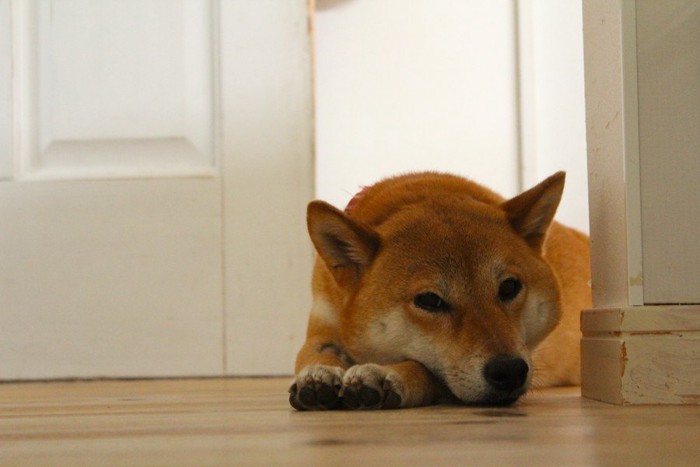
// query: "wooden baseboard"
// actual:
[[641, 355]]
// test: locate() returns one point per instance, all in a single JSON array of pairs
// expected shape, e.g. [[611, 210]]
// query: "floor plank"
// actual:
[[249, 422]]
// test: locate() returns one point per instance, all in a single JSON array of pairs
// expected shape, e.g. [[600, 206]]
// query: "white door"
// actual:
[[155, 160]]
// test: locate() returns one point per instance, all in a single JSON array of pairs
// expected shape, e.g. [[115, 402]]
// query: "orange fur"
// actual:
[[432, 286]]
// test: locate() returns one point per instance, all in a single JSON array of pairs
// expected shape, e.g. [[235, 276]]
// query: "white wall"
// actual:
[[489, 90], [405, 86]]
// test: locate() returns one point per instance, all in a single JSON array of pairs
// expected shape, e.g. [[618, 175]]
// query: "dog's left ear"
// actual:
[[531, 212]]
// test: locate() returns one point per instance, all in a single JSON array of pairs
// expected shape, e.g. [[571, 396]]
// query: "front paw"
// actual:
[[317, 387], [372, 386]]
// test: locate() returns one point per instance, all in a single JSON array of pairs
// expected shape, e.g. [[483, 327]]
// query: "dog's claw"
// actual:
[[307, 396], [326, 395], [392, 400], [370, 397], [293, 398], [351, 399]]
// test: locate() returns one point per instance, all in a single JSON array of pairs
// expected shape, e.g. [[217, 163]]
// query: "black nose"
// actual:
[[506, 373]]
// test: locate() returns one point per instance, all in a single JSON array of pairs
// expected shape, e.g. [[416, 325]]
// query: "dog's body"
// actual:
[[430, 286]]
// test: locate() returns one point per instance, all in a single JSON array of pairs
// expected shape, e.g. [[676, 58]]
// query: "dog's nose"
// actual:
[[506, 373]]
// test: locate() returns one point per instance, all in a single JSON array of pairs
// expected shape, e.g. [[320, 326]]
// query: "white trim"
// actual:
[[525, 95], [635, 270], [6, 84], [549, 101], [23, 43]]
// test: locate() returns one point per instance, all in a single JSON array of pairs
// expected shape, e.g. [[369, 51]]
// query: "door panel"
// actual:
[[116, 88], [118, 278]]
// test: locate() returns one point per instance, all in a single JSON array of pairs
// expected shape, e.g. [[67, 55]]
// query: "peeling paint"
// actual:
[[655, 333], [607, 125], [690, 399], [636, 281]]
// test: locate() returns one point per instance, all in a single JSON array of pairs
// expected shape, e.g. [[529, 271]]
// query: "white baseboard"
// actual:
[[641, 354]]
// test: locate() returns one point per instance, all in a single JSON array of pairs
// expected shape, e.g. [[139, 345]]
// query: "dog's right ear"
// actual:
[[346, 246], [531, 213]]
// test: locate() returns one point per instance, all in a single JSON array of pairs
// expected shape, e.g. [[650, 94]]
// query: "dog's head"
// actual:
[[456, 284]]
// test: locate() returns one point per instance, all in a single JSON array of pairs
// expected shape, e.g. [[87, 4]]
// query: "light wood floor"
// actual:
[[248, 422]]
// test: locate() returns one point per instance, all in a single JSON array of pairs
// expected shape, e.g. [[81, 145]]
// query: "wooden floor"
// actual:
[[248, 422]]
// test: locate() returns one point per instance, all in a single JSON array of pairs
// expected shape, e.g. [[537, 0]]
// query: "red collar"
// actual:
[[355, 199]]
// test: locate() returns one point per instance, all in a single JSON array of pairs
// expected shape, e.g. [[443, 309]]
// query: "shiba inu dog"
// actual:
[[430, 287]]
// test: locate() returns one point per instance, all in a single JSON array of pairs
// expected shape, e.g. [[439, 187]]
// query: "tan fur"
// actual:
[[373, 342]]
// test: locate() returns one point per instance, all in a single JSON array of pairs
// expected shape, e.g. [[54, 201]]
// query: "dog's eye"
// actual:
[[432, 302], [509, 289]]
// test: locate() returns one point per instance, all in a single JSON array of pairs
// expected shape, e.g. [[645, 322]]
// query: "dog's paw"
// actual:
[[372, 386], [317, 387]]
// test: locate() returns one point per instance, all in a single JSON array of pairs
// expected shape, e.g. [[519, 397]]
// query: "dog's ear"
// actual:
[[531, 212], [346, 246]]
